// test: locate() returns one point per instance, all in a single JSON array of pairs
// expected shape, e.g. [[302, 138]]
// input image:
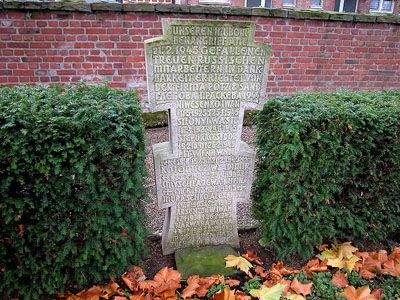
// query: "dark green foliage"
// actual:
[[72, 187], [215, 288], [253, 283], [324, 289], [389, 284], [328, 167]]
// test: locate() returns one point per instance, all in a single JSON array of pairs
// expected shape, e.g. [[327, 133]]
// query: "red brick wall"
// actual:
[[67, 47], [363, 6]]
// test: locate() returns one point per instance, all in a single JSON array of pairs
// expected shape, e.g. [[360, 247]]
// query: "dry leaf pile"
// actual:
[[167, 283]]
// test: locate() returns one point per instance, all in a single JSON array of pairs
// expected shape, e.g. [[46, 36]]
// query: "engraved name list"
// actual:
[[205, 73]]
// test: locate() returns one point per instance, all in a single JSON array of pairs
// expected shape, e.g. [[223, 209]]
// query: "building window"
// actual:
[[258, 3], [381, 6], [214, 2], [316, 3], [346, 6], [288, 3]]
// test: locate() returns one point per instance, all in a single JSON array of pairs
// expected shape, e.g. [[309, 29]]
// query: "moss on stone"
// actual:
[[204, 261]]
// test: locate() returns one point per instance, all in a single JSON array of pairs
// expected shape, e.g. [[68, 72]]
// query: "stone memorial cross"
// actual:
[[205, 73]]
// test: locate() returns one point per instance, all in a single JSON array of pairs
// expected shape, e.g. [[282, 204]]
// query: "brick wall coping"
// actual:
[[199, 9]]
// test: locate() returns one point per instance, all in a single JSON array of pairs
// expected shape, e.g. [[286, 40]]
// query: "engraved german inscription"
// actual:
[[205, 73]]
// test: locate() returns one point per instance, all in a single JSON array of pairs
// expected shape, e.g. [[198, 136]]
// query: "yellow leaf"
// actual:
[[350, 263], [294, 296], [336, 263], [238, 262], [346, 250], [273, 293], [327, 254]]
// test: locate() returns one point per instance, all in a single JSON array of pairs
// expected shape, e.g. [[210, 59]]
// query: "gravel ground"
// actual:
[[156, 216]]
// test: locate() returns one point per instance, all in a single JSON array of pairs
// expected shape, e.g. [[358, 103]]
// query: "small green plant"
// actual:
[[324, 289], [215, 288], [251, 284], [356, 279], [302, 277]]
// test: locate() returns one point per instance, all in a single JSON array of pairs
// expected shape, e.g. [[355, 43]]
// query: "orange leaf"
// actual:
[[148, 285], [285, 271], [322, 247], [167, 274], [228, 294], [392, 267], [190, 290], [130, 280], [111, 289], [139, 296], [218, 296], [315, 265], [373, 261], [21, 229], [260, 271], [205, 284], [395, 255], [270, 283], [377, 293], [167, 290], [232, 282], [132, 277], [168, 280], [251, 256], [340, 280], [93, 293], [300, 288], [366, 274], [239, 295], [363, 293], [287, 283]]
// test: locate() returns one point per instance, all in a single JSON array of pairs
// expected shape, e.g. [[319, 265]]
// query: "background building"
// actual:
[[348, 6]]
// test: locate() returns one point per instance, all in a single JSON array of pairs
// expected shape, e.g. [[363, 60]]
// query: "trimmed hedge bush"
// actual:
[[328, 167], [72, 187]]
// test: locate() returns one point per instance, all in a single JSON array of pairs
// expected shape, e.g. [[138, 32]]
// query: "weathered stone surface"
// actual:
[[13, 4], [139, 6], [308, 14], [36, 5], [25, 5], [107, 6], [236, 10], [388, 19], [204, 261], [205, 73], [70, 6], [204, 9], [365, 18], [261, 12], [168, 7], [278, 13], [341, 16]]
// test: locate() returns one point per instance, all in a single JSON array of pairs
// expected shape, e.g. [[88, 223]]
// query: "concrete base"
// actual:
[[204, 261]]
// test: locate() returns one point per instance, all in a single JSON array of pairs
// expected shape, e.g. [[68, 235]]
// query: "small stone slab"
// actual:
[[139, 6], [106, 6], [204, 261], [365, 18]]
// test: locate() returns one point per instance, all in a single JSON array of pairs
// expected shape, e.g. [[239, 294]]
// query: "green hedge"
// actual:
[[328, 167], [72, 187]]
